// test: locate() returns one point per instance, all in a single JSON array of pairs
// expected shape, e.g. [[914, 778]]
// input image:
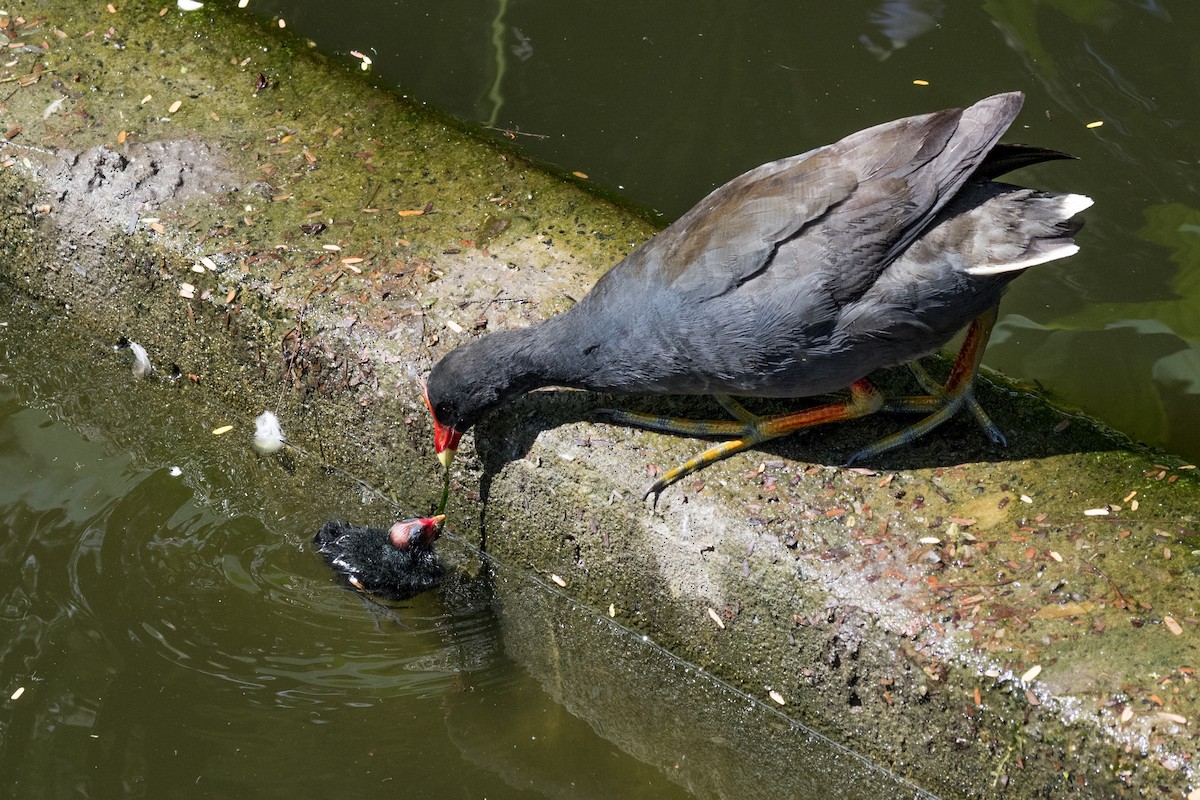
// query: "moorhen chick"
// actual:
[[798, 278], [395, 564]]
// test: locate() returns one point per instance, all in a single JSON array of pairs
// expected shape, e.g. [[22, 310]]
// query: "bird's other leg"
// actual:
[[735, 409], [937, 396], [945, 400], [748, 429]]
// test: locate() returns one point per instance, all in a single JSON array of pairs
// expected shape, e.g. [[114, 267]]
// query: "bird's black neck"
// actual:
[[545, 354]]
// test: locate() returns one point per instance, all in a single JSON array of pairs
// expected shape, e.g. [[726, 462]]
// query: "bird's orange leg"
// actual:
[[947, 400], [749, 429]]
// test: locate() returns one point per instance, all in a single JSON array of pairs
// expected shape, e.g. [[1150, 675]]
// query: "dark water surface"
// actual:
[[664, 101], [167, 632]]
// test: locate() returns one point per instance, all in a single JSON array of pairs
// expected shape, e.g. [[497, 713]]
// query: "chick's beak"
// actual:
[[432, 528]]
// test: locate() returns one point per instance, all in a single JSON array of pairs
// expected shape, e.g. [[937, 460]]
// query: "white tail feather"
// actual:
[[1063, 207], [1072, 204], [1053, 254]]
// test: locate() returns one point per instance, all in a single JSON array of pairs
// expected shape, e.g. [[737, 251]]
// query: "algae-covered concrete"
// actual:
[[987, 622]]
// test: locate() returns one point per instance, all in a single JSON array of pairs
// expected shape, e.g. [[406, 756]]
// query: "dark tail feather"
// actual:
[[1004, 158]]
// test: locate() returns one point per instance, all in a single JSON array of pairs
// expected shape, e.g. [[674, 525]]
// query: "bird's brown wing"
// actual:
[[847, 209]]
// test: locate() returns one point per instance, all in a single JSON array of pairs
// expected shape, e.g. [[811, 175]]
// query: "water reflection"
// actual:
[[900, 22], [150, 568], [167, 649]]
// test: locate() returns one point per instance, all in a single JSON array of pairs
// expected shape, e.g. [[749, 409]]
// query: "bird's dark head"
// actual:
[[422, 531], [471, 381], [448, 426]]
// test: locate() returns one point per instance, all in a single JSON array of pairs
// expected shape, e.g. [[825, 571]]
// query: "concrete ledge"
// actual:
[[955, 614]]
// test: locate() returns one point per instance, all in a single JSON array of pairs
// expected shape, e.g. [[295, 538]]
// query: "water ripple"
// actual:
[[137, 562]]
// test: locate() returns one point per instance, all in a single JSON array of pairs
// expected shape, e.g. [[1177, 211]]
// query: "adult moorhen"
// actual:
[[395, 564], [798, 278]]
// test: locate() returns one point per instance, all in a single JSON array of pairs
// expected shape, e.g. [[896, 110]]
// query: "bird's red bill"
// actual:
[[445, 437]]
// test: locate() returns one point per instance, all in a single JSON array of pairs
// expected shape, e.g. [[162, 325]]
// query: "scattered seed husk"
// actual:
[[1071, 608], [716, 618]]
